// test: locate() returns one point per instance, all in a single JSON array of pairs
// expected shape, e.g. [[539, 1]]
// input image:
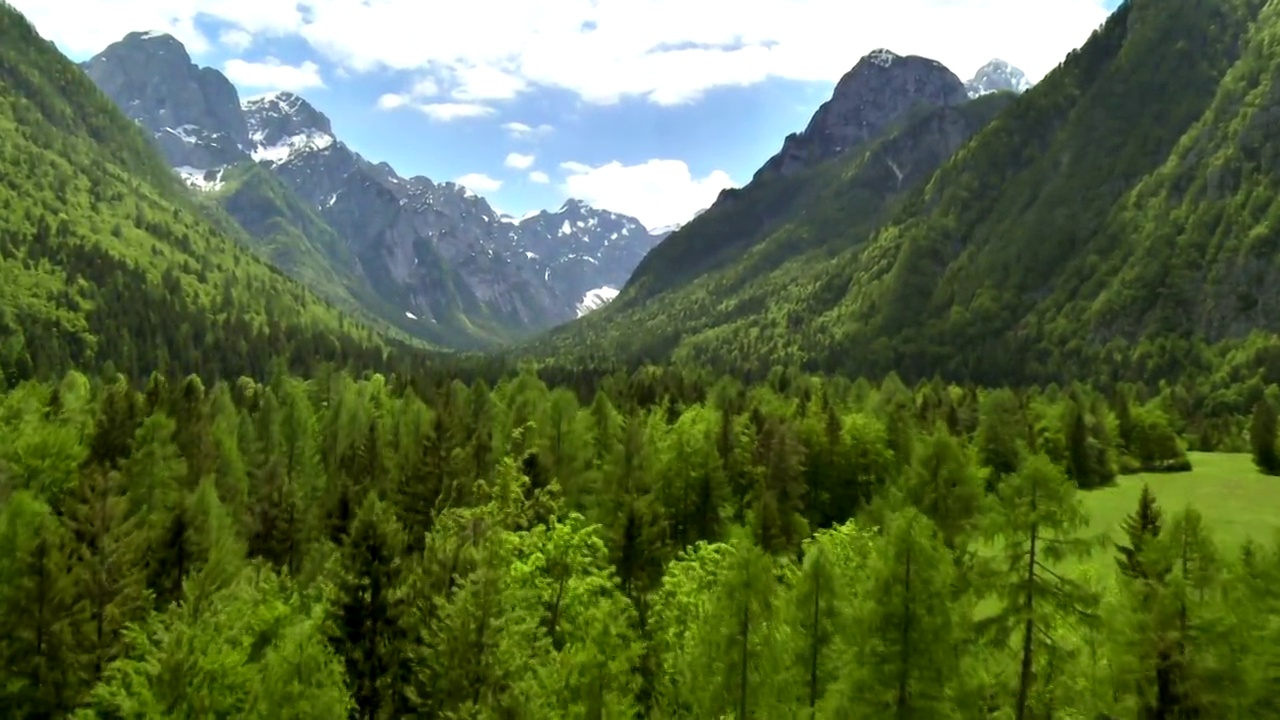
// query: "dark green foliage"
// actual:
[[1141, 528], [370, 609], [1262, 437]]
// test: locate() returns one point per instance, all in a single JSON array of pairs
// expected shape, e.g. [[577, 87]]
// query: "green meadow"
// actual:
[[1237, 501]]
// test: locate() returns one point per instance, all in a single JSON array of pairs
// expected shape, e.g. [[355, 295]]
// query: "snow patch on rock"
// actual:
[[596, 299], [201, 179]]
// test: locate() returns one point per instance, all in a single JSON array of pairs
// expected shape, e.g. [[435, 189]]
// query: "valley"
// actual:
[[432, 260], [966, 405]]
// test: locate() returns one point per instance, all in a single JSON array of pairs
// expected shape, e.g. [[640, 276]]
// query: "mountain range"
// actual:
[[433, 259], [1006, 238]]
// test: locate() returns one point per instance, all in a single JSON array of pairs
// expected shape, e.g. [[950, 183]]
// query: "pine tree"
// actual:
[[107, 565], [1079, 465], [369, 611], [823, 603], [1038, 519], [945, 485], [42, 672], [907, 660], [1142, 527], [1262, 437]]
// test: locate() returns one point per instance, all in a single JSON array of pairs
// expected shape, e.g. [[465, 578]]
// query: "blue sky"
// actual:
[[646, 107]]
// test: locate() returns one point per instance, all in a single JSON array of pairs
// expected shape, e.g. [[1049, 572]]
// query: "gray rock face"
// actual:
[[194, 113], [436, 250], [997, 76], [880, 89]]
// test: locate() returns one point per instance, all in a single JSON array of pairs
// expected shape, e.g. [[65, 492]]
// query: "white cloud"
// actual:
[[516, 161], [391, 101], [539, 177], [523, 130], [273, 74], [479, 182], [425, 88], [84, 27], [486, 83], [576, 168], [236, 39], [445, 112], [603, 50], [657, 192]]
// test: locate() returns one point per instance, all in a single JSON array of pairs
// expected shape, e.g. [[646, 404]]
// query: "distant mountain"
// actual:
[[588, 252], [877, 96], [433, 259], [997, 76]]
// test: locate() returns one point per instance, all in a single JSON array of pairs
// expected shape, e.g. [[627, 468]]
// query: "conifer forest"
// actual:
[[994, 438]]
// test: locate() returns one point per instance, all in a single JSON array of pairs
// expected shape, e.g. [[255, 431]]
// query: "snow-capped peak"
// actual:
[[283, 125], [282, 103], [996, 76]]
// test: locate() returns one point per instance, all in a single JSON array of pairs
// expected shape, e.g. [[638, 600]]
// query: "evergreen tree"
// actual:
[[908, 659], [1262, 437], [824, 600], [1001, 425], [369, 612], [43, 668], [252, 650], [107, 565], [1038, 520], [945, 485], [1141, 527]]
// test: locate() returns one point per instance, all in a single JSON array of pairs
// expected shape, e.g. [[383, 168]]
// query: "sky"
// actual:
[[644, 107]]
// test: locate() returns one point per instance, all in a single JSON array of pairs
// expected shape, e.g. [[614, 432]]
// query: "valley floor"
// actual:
[[1236, 501]]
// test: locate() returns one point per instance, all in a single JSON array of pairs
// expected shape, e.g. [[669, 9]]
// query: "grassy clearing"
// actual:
[[1236, 500]]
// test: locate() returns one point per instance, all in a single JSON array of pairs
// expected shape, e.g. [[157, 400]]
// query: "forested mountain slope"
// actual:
[[105, 257], [1120, 199]]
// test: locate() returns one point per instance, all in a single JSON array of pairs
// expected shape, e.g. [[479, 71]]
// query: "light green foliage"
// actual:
[[254, 649], [909, 629], [42, 450], [824, 598], [588, 669], [811, 548], [1038, 518], [716, 633]]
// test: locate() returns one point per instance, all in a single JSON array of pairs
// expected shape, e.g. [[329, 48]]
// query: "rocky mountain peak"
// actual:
[[436, 252], [281, 125], [881, 88], [193, 112], [996, 76], [157, 40]]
